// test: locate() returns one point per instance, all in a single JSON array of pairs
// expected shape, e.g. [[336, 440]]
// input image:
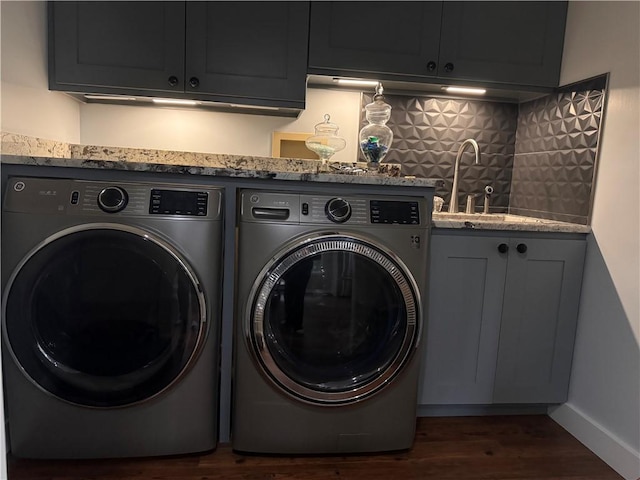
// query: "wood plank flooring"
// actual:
[[478, 448]]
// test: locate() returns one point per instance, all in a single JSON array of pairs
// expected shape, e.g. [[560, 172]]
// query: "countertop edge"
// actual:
[[239, 172], [547, 227]]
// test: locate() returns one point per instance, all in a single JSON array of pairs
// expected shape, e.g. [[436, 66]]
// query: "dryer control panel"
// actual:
[[81, 197]]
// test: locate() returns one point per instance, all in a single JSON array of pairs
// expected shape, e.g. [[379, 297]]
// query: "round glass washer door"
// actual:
[[104, 315], [334, 319]]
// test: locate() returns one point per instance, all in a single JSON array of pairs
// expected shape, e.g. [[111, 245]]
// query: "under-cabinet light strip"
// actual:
[[356, 83], [173, 101], [110, 98], [468, 90]]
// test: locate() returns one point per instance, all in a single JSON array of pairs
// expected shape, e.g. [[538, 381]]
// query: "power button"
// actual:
[[19, 186]]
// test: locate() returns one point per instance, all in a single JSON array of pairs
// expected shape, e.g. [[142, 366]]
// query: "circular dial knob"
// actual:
[[338, 210], [112, 199]]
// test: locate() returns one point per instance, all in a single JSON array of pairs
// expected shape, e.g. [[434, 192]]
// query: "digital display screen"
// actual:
[[404, 213], [177, 202]]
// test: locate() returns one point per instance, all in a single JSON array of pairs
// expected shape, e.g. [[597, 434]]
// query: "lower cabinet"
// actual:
[[502, 317]]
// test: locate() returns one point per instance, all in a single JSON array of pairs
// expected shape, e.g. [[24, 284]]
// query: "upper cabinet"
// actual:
[[515, 43], [241, 52], [380, 37]]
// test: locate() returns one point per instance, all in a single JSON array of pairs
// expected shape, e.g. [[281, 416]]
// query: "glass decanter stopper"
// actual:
[[326, 141], [376, 137]]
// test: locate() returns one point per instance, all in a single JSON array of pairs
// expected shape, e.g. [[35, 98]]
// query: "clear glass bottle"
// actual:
[[326, 141], [376, 137]]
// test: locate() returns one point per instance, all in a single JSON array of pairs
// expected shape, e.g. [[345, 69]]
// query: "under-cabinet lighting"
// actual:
[[356, 83], [467, 90], [110, 98], [174, 101], [252, 107]]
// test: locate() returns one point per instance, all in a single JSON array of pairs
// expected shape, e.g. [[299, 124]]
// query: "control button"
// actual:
[[112, 199], [337, 210], [254, 198], [305, 208], [19, 186], [75, 196]]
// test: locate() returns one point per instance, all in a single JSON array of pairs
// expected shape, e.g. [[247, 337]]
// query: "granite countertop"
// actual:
[[501, 221], [25, 150]]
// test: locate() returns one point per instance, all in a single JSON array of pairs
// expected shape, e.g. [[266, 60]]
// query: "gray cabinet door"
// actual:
[[465, 303], [356, 38], [252, 50], [518, 43], [237, 52], [506, 42], [116, 47], [540, 311]]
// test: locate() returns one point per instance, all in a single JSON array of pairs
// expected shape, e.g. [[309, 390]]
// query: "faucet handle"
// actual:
[[471, 204]]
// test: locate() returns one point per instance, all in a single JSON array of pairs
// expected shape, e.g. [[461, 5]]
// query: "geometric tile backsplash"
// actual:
[[428, 131], [539, 156], [555, 157]]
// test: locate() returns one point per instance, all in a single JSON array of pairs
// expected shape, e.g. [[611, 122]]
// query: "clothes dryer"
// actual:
[[329, 322], [110, 317]]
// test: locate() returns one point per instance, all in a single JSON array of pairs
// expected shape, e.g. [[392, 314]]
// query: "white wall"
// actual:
[[603, 410], [27, 106], [192, 130]]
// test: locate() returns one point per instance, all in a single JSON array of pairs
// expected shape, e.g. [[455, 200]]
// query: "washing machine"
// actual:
[[110, 317], [329, 318]]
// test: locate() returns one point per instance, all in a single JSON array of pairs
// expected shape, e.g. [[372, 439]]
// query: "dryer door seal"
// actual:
[[333, 319], [104, 315]]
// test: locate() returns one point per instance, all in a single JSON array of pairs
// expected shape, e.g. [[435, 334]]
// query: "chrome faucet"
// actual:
[[453, 204]]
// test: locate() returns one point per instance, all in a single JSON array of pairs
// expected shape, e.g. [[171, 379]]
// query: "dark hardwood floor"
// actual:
[[489, 448]]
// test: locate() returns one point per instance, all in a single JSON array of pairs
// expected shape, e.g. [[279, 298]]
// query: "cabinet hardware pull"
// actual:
[[503, 248], [173, 81], [194, 82], [448, 67], [431, 66], [521, 248]]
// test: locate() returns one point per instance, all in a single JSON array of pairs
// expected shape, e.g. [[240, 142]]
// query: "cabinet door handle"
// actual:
[[448, 67], [194, 82], [431, 66], [173, 81], [503, 248], [521, 248]]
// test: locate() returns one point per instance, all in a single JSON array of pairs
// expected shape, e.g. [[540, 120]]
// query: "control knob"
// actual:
[[338, 210], [112, 199]]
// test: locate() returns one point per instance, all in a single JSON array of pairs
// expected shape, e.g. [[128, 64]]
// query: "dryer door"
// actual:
[[334, 319], [103, 315]]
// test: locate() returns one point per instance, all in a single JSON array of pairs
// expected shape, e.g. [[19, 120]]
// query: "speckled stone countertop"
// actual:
[[497, 221], [24, 150]]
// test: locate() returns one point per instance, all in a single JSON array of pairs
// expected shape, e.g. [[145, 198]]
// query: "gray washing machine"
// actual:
[[329, 318], [110, 317]]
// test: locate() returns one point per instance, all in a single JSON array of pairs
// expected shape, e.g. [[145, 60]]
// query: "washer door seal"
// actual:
[[333, 319], [104, 315]]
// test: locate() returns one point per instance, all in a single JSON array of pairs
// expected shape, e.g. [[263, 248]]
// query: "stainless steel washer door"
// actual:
[[103, 315], [333, 319]]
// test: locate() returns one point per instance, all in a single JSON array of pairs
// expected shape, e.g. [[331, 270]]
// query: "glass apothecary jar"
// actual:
[[376, 137], [326, 141]]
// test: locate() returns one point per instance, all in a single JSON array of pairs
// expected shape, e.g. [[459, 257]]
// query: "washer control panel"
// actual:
[[275, 207]]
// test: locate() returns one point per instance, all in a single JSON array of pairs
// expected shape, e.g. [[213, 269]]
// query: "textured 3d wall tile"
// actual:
[[429, 131], [556, 147], [539, 156]]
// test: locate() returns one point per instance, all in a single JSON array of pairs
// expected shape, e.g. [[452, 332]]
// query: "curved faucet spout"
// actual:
[[453, 204]]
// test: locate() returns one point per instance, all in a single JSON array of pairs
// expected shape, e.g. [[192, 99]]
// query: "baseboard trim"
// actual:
[[612, 450], [479, 410]]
